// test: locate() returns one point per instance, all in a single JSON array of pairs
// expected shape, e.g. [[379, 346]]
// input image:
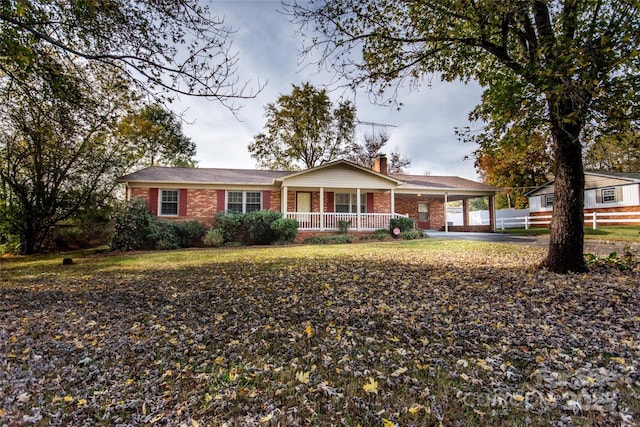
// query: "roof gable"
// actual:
[[339, 174]]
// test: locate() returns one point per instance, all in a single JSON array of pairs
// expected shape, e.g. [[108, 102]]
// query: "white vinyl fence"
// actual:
[[520, 218]]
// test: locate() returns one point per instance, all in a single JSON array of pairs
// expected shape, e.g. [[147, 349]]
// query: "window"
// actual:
[[169, 202], [423, 212], [244, 201], [253, 199], [346, 203], [234, 201], [548, 200], [608, 195]]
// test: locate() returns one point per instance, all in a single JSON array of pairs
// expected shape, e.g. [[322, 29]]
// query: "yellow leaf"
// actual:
[[399, 372], [371, 386], [266, 418], [208, 398], [303, 377], [309, 331], [518, 397], [68, 398], [415, 409], [82, 402], [218, 360], [388, 423]]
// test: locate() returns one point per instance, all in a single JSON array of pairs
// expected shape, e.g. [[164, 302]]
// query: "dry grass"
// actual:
[[400, 333]]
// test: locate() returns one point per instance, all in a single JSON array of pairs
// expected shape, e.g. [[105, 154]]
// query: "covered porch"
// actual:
[[330, 221]]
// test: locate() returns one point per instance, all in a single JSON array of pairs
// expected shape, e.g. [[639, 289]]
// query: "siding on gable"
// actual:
[[339, 177]]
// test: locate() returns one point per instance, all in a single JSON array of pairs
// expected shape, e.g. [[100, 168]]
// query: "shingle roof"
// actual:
[[204, 175], [631, 176], [442, 182], [158, 174]]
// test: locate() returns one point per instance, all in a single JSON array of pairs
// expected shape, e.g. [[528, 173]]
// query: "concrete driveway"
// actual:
[[598, 247]]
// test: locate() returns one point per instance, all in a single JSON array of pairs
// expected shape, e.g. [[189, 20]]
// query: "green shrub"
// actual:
[[411, 235], [134, 226], [404, 224], [258, 227], [213, 238], [329, 239], [189, 233], [231, 225], [165, 237], [343, 226], [380, 235], [285, 229]]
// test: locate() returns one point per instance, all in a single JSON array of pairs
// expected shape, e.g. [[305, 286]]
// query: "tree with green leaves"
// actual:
[[303, 130], [171, 45], [157, 132], [614, 152], [365, 153], [571, 62], [59, 162]]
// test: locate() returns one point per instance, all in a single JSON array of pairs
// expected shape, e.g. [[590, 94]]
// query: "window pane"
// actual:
[[234, 201], [608, 195], [548, 200], [342, 202], [169, 202], [253, 201]]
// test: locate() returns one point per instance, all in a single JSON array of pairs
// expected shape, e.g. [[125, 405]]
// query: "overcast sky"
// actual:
[[269, 52]]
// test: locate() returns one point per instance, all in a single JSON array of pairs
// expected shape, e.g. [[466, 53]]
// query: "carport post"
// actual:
[[446, 201]]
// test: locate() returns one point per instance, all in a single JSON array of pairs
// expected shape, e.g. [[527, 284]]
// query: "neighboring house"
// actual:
[[318, 197], [605, 192]]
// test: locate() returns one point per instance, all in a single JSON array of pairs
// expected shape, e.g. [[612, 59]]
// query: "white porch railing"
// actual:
[[330, 220]]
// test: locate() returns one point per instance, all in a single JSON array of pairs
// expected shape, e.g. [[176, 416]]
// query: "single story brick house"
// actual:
[[605, 193], [317, 198]]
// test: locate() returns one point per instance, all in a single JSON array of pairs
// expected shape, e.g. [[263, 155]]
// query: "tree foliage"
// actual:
[[614, 152], [172, 45], [157, 132], [566, 62], [59, 161], [303, 130]]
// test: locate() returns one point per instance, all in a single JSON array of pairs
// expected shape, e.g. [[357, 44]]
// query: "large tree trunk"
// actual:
[[566, 232]]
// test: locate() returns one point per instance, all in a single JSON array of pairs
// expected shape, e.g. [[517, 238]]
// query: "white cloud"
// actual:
[[268, 51]]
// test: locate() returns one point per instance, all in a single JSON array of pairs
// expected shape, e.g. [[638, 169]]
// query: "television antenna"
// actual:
[[374, 124]]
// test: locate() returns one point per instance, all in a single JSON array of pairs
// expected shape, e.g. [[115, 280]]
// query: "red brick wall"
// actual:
[[408, 204], [202, 204]]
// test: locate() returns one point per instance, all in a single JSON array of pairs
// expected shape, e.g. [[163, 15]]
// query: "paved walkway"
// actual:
[[598, 247]]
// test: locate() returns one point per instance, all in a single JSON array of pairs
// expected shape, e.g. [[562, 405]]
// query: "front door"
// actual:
[[303, 204], [423, 216]]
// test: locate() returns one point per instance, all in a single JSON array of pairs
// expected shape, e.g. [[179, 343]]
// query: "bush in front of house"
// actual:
[[331, 239], [231, 225], [178, 234], [285, 229], [411, 235], [133, 226], [213, 238], [255, 228], [404, 224], [258, 227]]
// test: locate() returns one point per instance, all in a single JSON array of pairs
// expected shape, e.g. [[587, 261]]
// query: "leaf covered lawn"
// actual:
[[419, 333]]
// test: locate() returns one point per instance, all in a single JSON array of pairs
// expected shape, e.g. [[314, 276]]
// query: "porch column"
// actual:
[[393, 202], [465, 212], [492, 213], [283, 202], [321, 208], [446, 223], [359, 222]]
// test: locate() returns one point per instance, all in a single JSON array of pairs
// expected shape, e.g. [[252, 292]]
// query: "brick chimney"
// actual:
[[380, 164]]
